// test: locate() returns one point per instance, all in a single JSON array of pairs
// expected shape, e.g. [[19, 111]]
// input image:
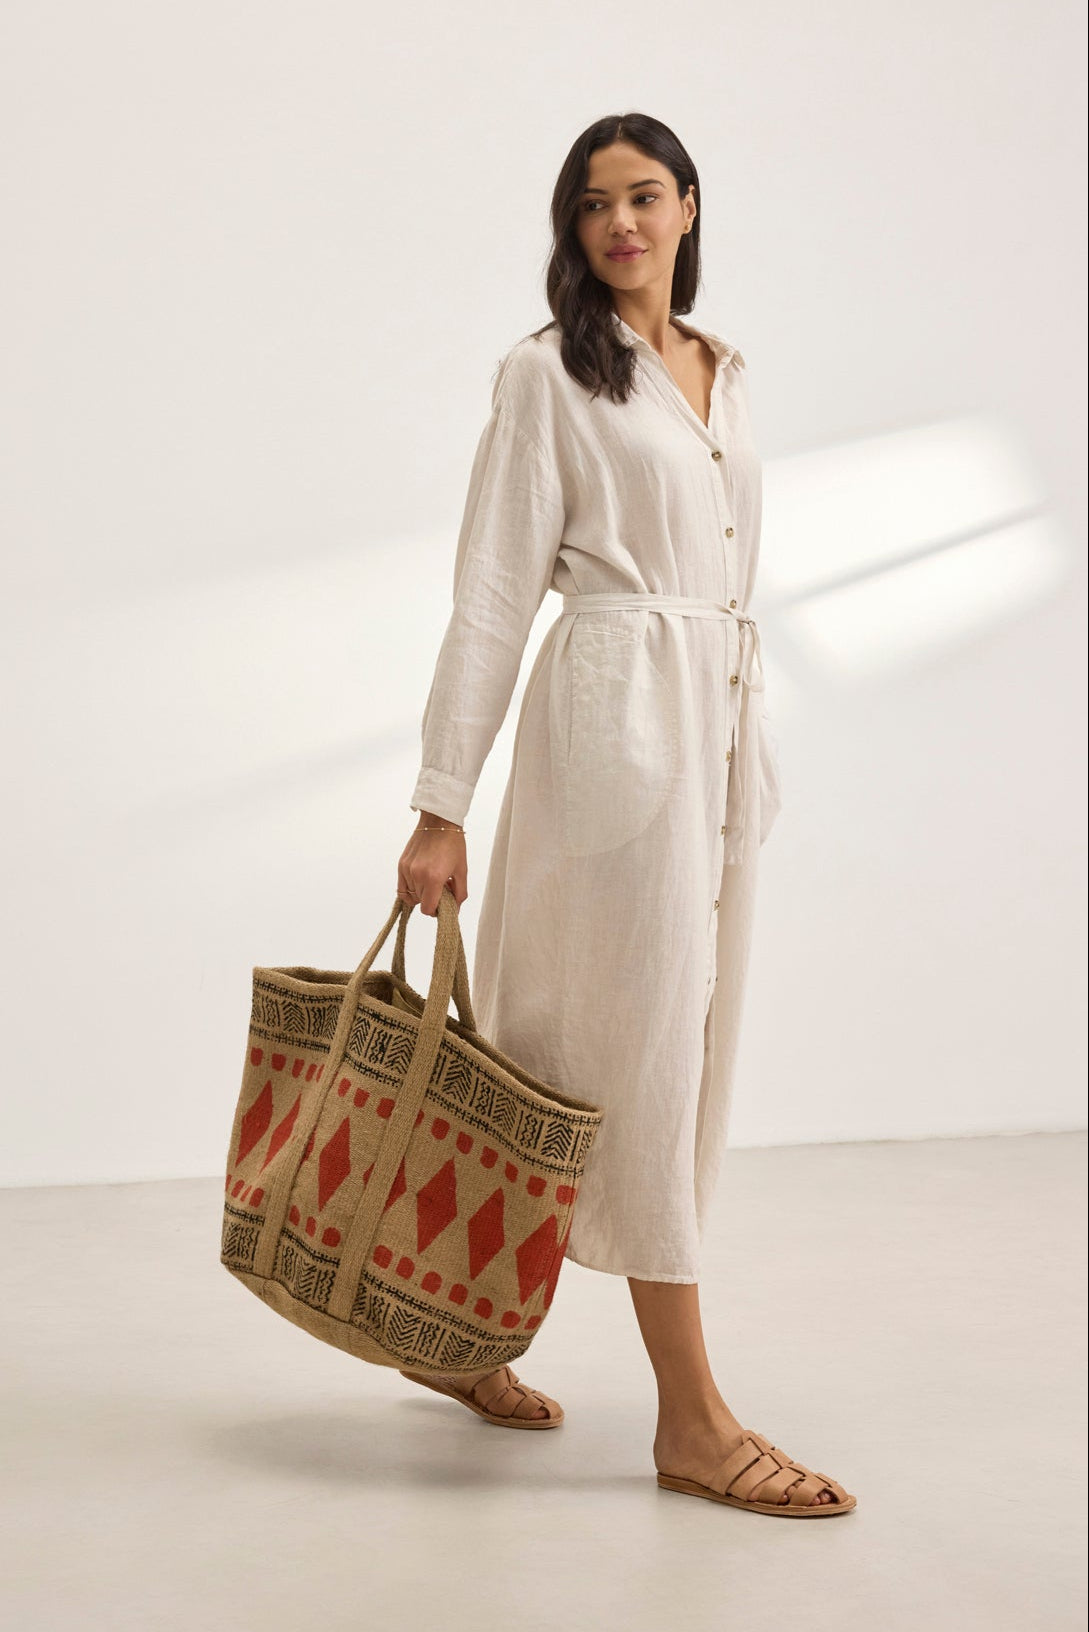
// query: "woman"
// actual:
[[617, 468]]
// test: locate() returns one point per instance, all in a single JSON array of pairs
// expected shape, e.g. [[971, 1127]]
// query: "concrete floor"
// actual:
[[909, 1317]]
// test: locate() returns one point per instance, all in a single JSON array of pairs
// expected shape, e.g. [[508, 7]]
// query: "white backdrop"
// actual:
[[261, 262]]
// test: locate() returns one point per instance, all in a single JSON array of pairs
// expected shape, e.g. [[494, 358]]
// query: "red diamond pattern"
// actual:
[[436, 1205], [282, 1133], [535, 1257], [334, 1163], [538, 1258], [255, 1123], [485, 1232], [398, 1187]]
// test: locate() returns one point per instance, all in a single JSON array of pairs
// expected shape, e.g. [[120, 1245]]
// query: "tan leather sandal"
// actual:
[[758, 1465], [500, 1398]]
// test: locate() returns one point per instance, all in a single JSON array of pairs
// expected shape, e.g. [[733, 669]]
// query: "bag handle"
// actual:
[[461, 974], [402, 910], [448, 974], [447, 967]]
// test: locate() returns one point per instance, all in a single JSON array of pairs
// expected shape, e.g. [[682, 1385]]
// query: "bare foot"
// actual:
[[692, 1448]]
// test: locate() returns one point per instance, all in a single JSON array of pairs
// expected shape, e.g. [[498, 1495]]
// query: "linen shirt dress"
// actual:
[[616, 919]]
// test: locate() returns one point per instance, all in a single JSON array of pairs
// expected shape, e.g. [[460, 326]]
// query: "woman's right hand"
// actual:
[[431, 862]]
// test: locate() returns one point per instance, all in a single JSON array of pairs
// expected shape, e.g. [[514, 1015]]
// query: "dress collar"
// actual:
[[722, 348]]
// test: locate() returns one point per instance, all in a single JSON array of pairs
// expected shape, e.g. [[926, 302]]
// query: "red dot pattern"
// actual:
[[241, 1191], [440, 1128]]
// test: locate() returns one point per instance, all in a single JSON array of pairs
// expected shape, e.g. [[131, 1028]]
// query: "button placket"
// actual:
[[710, 432], [733, 672], [652, 366], [726, 526]]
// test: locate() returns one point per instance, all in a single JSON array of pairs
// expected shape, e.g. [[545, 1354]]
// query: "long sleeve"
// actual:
[[507, 545]]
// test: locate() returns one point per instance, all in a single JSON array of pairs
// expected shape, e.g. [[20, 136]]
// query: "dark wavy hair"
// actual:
[[581, 305]]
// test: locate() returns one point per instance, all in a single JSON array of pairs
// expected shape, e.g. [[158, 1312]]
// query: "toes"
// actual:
[[821, 1496]]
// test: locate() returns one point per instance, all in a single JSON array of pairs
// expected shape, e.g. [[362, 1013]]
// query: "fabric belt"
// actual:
[[750, 670]]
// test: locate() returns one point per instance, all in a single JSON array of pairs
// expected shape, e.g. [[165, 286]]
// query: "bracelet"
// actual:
[[440, 830]]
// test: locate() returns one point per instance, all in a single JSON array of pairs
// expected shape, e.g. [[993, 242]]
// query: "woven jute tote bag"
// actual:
[[396, 1185]]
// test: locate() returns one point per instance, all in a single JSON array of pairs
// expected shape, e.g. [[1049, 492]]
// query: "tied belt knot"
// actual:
[[750, 675]]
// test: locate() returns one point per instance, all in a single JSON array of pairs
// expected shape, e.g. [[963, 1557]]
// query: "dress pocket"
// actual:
[[623, 737]]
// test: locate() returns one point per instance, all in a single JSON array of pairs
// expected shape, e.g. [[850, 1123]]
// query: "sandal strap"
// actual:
[[735, 1464], [758, 1471], [509, 1398]]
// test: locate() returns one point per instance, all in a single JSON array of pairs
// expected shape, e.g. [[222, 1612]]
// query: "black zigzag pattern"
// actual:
[[265, 1010], [293, 1016], [505, 1113], [458, 1078], [239, 1238], [308, 1275], [421, 1336], [239, 1245], [380, 1049], [557, 1143], [361, 1027]]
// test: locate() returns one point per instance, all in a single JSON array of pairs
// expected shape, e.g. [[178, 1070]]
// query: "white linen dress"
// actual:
[[615, 924]]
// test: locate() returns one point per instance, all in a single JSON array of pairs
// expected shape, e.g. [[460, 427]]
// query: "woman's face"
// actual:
[[631, 204]]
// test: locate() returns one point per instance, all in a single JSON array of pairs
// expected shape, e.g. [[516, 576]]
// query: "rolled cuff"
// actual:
[[442, 794]]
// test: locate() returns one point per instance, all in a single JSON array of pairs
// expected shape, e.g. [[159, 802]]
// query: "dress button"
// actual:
[[715, 454], [722, 829], [729, 532], [729, 755], [716, 903], [733, 603], [733, 679]]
